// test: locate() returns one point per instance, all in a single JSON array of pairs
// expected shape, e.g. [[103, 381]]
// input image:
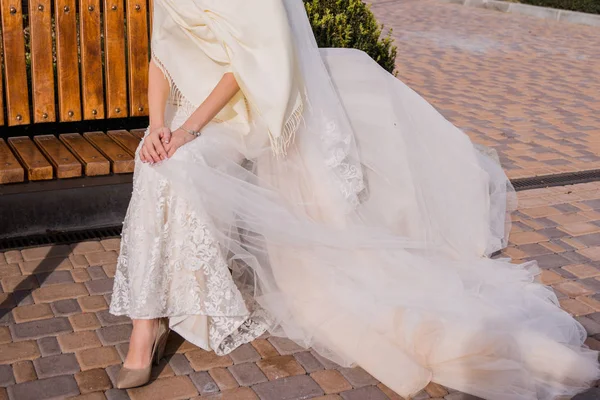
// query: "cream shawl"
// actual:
[[252, 39]]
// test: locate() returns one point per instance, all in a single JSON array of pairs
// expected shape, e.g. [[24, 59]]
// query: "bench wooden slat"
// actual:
[[127, 140], [138, 57], [17, 94], [121, 160], [93, 161], [42, 70], [138, 132], [64, 162], [114, 56], [10, 169], [67, 61], [37, 166], [91, 59]]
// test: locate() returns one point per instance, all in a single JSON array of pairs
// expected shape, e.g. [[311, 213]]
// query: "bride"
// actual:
[[310, 194]]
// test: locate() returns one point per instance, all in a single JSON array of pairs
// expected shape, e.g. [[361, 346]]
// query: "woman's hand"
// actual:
[[178, 138], [153, 149]]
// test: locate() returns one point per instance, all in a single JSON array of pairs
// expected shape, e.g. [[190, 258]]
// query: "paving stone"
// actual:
[[176, 344], [5, 335], [290, 388], [3, 394], [435, 390], [389, 392], [111, 335], [61, 364], [97, 272], [54, 278], [111, 244], [65, 307], [23, 298], [75, 341], [329, 397], [7, 270], [6, 375], [422, 395], [280, 367], [247, 374], [110, 269], [6, 302], [327, 363], [97, 357], [39, 329], [37, 253], [13, 256], [92, 303], [176, 387], [100, 286], [264, 348], [116, 394], [162, 370], [90, 396], [583, 271], [461, 396], [18, 282], [575, 307], [79, 261], [123, 348], [58, 387], [331, 381], [6, 318], [180, 365], [308, 361], [102, 257], [107, 319], [48, 346], [113, 372], [84, 321], [93, 380], [80, 275], [223, 378], [203, 382], [45, 265], [242, 393], [364, 393], [89, 246], [552, 260], [57, 292], [358, 377], [285, 346], [32, 312], [244, 353], [572, 289], [24, 371], [202, 360]]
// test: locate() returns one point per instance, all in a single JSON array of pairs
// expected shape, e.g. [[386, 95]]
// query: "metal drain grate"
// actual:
[[52, 238], [569, 178]]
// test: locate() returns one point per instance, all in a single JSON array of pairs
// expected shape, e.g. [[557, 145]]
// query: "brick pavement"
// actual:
[[58, 340], [528, 87]]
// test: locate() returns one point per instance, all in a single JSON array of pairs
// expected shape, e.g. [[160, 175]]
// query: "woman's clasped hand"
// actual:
[[161, 144]]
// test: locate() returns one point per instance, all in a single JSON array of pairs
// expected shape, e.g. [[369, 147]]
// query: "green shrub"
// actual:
[[351, 24], [587, 6]]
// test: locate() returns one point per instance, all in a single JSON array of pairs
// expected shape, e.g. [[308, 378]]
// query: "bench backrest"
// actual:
[[73, 60]]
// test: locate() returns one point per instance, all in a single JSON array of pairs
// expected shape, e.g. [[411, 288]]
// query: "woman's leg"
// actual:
[[140, 343]]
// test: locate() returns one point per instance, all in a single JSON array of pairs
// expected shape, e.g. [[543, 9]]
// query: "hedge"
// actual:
[[351, 24]]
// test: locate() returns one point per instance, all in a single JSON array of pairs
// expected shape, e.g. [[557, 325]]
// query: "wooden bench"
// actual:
[[73, 94]]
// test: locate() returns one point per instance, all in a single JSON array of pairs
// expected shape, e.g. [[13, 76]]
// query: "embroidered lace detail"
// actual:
[[337, 149]]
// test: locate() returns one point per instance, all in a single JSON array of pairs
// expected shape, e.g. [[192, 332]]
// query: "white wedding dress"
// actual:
[[372, 248]]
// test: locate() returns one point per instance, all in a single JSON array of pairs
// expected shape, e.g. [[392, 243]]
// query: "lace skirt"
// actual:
[[171, 265]]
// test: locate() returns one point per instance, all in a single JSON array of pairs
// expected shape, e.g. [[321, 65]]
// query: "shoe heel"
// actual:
[[162, 344]]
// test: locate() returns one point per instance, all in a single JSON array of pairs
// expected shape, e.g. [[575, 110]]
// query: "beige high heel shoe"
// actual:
[[128, 377]]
